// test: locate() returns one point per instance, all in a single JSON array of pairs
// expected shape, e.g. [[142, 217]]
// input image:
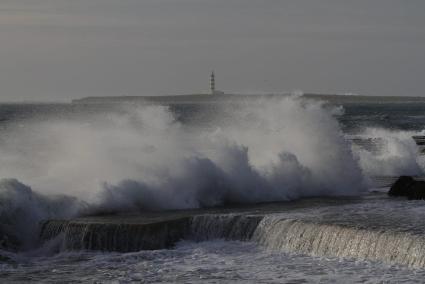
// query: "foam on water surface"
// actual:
[[205, 262]]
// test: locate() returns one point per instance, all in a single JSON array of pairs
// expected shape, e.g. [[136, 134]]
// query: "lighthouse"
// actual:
[[212, 83]]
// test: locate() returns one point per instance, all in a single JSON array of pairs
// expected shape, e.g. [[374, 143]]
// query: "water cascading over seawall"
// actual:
[[341, 241], [112, 236], [314, 238], [229, 227], [365, 237], [126, 237]]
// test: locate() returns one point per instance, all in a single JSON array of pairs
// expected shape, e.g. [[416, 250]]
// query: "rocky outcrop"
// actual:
[[408, 187], [401, 186]]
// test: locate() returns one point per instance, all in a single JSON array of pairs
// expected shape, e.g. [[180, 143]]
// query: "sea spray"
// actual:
[[397, 153], [21, 211], [144, 158]]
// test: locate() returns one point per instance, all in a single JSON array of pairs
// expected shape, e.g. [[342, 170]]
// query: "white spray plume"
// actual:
[[143, 158], [398, 153]]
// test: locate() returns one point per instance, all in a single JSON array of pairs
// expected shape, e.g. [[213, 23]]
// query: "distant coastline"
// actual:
[[208, 98]]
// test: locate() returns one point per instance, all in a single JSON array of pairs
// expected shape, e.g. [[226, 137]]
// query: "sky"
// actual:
[[58, 50]]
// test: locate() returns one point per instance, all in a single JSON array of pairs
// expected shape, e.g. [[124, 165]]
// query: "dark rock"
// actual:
[[407, 186], [401, 186], [417, 190]]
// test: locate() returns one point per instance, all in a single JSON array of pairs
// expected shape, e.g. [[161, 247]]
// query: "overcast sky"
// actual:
[[65, 49]]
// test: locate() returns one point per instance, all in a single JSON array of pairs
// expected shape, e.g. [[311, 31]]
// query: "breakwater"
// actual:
[[352, 230]]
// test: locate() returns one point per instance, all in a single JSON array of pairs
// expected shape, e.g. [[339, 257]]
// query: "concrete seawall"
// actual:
[[373, 228]]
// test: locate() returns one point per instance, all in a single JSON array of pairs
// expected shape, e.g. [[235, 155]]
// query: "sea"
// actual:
[[280, 190]]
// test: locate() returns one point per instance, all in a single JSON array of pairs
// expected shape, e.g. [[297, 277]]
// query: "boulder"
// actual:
[[417, 190], [401, 186], [408, 187]]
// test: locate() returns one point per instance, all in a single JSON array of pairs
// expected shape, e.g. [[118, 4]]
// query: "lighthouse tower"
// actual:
[[212, 83]]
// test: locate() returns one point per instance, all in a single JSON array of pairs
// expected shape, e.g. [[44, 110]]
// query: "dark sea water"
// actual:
[[394, 116], [356, 116], [119, 158]]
